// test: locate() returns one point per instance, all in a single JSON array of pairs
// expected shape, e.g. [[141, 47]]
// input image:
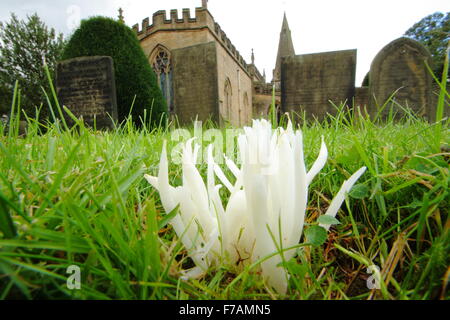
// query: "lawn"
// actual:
[[76, 199]]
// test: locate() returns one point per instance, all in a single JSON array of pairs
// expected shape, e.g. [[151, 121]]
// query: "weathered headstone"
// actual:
[[310, 81], [361, 97], [401, 66], [86, 86]]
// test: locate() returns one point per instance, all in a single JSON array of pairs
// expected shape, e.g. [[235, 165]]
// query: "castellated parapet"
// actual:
[[202, 20]]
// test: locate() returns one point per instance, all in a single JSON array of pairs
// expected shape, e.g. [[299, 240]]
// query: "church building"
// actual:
[[200, 72], [203, 76]]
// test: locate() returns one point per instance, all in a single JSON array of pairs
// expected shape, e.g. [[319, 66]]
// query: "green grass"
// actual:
[[78, 197]]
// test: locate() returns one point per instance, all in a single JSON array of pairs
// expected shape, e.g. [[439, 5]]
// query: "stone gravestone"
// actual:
[[86, 86], [401, 66], [310, 81]]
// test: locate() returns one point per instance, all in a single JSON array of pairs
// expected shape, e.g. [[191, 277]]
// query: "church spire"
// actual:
[[285, 48], [205, 4]]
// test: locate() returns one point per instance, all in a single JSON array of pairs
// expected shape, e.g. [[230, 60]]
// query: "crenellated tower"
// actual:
[[192, 27], [199, 70]]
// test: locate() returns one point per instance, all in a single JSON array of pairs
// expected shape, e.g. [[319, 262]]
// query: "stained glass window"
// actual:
[[163, 69]]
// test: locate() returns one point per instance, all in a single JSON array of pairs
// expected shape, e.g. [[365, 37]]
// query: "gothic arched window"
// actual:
[[161, 63], [228, 98]]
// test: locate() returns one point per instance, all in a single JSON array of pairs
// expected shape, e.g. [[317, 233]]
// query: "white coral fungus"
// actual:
[[267, 203]]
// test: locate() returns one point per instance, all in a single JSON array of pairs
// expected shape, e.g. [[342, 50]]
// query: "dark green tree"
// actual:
[[23, 47], [433, 32], [5, 97], [101, 36]]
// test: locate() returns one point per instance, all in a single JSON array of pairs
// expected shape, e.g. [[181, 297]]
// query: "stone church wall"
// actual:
[[310, 81], [195, 82], [241, 86], [174, 40]]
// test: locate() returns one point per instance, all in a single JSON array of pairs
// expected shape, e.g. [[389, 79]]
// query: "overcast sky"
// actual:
[[316, 25]]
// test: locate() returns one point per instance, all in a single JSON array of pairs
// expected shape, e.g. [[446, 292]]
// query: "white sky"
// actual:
[[316, 25]]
